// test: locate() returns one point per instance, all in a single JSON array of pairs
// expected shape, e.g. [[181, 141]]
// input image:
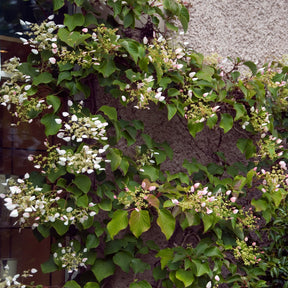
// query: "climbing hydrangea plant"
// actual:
[[114, 194]]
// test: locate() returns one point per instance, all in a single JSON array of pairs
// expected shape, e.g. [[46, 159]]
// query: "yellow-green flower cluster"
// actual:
[[274, 180], [199, 111], [68, 258], [144, 159], [136, 198], [248, 254]]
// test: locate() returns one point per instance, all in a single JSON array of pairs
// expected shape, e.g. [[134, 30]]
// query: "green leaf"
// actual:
[[240, 111], [208, 221], [74, 20], [59, 226], [184, 19], [247, 147], [201, 268], [123, 259], [44, 230], [54, 101], [72, 284], [106, 205], [226, 122], [205, 73], [117, 7], [166, 256], [139, 266], [129, 20], [79, 2], [194, 128], [124, 166], [213, 252], [166, 222], [151, 172], [171, 26], [215, 169], [260, 205], [44, 77], [65, 75], [119, 222], [139, 222], [28, 69], [115, 156], [92, 241], [82, 201], [90, 19], [107, 66], [51, 127], [73, 38], [110, 112], [172, 110], [132, 48], [172, 6], [185, 276], [83, 182], [212, 121], [140, 284], [153, 201], [57, 4], [277, 197], [91, 285], [103, 269], [49, 266], [252, 66], [56, 173]]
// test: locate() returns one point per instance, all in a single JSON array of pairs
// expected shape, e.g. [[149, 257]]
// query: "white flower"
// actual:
[[34, 51], [69, 209], [70, 103], [217, 278], [283, 165], [175, 201], [33, 270], [209, 211], [123, 98], [52, 60], [14, 213], [74, 118], [27, 87], [209, 284], [192, 74], [58, 120], [145, 40]]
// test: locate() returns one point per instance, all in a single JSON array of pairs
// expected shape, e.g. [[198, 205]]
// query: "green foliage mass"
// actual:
[[114, 195]]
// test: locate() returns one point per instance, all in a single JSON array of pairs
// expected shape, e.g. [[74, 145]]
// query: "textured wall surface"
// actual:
[[250, 29]]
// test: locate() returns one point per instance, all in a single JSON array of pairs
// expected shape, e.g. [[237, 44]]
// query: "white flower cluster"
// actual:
[[84, 161], [43, 35], [87, 158], [34, 207], [13, 281], [68, 258], [22, 199], [81, 128]]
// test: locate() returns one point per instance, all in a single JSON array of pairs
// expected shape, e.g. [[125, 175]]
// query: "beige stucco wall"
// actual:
[[251, 29]]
